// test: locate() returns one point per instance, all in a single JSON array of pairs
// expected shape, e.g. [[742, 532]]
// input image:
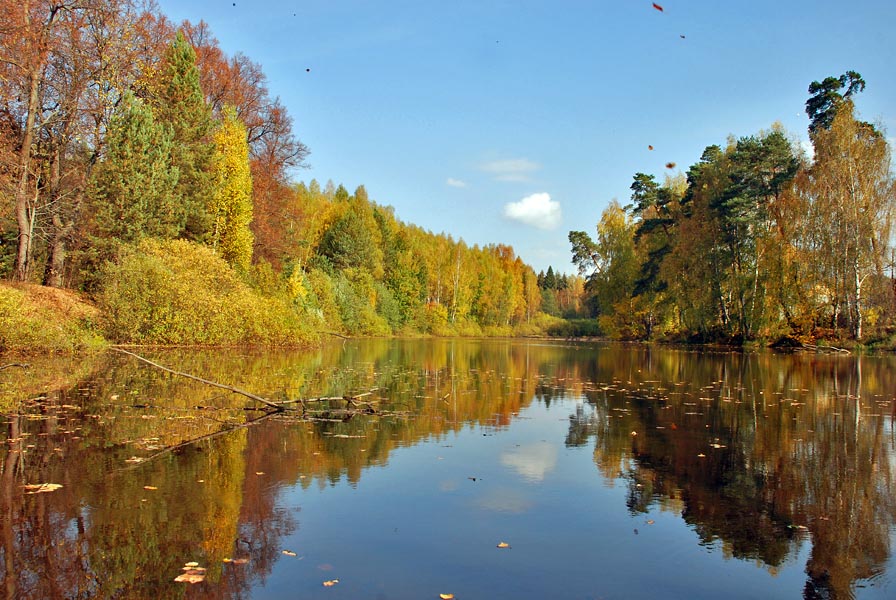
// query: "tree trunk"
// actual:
[[57, 252], [23, 210]]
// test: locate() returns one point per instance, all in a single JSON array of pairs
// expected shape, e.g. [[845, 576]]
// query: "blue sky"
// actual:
[[516, 122]]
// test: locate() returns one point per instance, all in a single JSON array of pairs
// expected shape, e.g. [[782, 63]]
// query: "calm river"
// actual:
[[608, 471]]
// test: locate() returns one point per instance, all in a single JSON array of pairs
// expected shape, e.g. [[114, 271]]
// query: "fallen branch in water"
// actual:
[[339, 335], [278, 407], [22, 365], [136, 462]]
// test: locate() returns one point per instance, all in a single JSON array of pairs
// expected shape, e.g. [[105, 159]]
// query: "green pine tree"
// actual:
[[133, 189]]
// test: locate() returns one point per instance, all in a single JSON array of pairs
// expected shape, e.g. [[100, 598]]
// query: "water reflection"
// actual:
[[761, 455]]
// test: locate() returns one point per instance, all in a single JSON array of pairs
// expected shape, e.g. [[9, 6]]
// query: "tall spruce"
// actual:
[[177, 100]]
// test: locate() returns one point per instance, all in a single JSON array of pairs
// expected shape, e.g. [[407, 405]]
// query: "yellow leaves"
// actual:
[[150, 487], [288, 552], [446, 596], [503, 545], [40, 488], [331, 582]]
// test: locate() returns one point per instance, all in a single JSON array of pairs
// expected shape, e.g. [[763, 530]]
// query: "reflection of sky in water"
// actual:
[[507, 500], [531, 461]]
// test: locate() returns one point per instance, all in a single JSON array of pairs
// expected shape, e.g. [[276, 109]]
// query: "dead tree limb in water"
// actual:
[[136, 462], [277, 407], [22, 365]]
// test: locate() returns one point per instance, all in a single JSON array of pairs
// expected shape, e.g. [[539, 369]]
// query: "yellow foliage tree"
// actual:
[[231, 204]]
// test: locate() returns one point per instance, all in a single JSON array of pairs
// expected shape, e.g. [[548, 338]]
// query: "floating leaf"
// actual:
[[192, 576], [658, 7], [670, 165], [701, 455], [150, 487], [40, 488], [133, 459], [650, 521], [649, 147], [259, 472], [503, 545], [289, 553], [331, 582], [190, 565], [446, 596]]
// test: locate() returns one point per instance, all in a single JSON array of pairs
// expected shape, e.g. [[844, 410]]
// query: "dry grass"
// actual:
[[37, 319]]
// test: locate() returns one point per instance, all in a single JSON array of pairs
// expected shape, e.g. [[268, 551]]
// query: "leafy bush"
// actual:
[[177, 292], [575, 328]]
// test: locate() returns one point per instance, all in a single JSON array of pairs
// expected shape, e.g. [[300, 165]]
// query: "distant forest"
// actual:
[[146, 168]]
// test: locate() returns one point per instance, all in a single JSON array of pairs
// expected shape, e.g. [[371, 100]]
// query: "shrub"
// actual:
[[177, 292]]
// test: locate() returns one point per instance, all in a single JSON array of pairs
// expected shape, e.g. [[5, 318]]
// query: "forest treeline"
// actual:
[[759, 240], [143, 166]]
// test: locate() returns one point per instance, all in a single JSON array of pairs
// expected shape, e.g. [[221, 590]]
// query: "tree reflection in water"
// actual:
[[760, 454]]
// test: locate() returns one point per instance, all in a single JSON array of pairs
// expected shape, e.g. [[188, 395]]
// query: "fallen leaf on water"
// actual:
[[649, 147], [446, 596], [331, 582], [650, 521], [40, 488], [150, 487], [503, 545], [658, 7], [701, 455], [190, 577], [190, 565], [259, 472], [670, 165], [289, 553], [133, 459]]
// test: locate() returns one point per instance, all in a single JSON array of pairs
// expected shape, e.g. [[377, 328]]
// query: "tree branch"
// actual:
[[277, 407]]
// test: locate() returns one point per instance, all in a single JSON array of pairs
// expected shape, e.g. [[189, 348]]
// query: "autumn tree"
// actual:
[[851, 191], [231, 202]]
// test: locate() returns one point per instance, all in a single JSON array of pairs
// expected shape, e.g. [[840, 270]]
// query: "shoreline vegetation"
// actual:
[[36, 320], [150, 201]]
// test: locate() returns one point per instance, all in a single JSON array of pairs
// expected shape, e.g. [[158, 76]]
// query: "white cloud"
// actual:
[[511, 169], [455, 182], [537, 210], [532, 461]]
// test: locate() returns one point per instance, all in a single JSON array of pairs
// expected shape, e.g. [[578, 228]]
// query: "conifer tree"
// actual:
[[177, 100], [133, 189]]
